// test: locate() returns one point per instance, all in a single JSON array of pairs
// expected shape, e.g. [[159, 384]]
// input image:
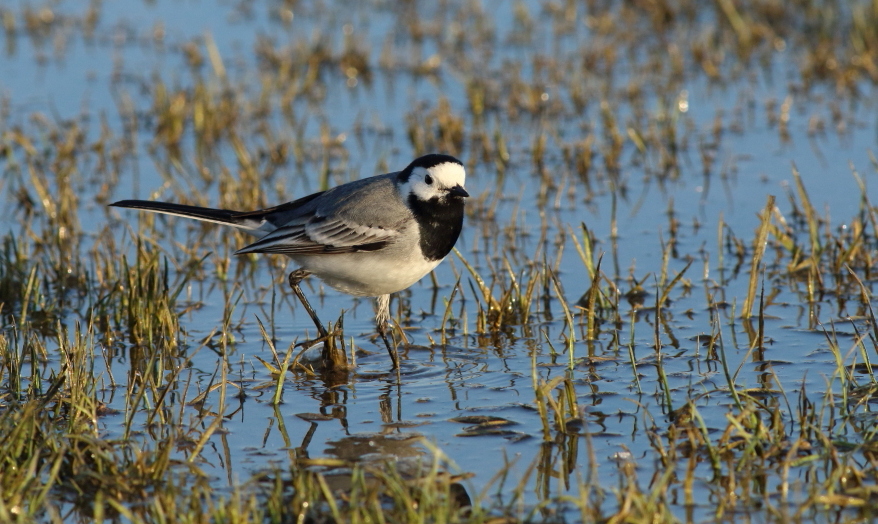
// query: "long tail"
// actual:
[[206, 214]]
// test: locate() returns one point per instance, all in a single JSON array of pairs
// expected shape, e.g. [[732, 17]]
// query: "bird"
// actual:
[[369, 238]]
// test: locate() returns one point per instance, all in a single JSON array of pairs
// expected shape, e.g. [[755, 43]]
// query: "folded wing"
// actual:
[[321, 235], [365, 215]]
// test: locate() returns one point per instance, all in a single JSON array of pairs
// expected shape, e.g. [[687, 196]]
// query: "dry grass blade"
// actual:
[[756, 259], [810, 215], [485, 291], [666, 290], [568, 316]]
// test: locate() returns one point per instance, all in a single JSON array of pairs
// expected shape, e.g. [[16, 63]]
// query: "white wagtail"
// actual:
[[370, 238]]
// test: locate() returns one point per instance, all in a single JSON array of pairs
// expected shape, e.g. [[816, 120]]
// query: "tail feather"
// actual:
[[206, 214]]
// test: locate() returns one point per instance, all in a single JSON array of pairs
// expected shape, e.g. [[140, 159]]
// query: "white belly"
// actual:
[[367, 274]]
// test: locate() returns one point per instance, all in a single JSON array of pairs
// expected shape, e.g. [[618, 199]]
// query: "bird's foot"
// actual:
[[391, 348], [333, 357], [297, 276]]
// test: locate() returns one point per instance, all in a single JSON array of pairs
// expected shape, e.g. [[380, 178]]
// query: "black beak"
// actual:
[[458, 191]]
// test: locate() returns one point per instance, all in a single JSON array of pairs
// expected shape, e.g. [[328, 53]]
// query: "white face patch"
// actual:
[[448, 174], [435, 181]]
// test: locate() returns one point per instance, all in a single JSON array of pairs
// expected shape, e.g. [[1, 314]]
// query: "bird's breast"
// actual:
[[439, 225]]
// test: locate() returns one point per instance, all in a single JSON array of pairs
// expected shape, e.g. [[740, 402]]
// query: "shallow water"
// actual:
[[371, 415]]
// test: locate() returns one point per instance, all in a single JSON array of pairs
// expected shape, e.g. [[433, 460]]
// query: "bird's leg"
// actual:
[[334, 358], [296, 278], [382, 318]]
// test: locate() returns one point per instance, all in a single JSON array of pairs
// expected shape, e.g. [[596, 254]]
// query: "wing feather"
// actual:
[[345, 219], [322, 236]]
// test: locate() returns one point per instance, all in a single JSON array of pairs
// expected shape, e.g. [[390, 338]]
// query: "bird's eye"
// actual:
[[429, 180]]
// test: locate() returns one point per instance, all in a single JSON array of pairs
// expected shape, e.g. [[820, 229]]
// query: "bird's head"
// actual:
[[434, 178]]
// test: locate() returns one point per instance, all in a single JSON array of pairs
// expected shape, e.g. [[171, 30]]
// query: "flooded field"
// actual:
[[659, 309]]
